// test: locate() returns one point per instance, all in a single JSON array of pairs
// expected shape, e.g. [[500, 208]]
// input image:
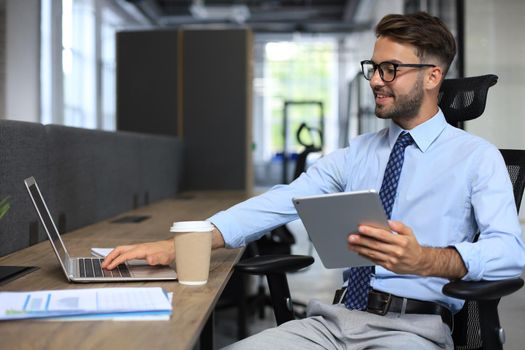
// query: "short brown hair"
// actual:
[[428, 34]]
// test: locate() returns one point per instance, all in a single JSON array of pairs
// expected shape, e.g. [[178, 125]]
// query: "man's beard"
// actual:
[[405, 107]]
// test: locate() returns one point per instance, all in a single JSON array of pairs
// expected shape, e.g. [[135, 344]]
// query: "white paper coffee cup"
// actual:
[[192, 251]]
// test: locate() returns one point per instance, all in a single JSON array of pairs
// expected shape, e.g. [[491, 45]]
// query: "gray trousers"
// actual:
[[334, 327]]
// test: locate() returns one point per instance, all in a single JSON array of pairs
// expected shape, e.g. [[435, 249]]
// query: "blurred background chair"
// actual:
[[477, 325]]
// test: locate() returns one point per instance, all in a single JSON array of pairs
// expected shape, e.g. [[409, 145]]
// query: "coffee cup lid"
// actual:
[[191, 226]]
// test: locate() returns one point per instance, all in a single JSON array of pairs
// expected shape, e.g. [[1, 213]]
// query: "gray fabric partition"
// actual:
[[23, 153], [93, 174], [85, 176], [160, 163]]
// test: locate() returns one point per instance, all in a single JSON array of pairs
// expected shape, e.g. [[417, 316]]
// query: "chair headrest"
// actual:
[[465, 98]]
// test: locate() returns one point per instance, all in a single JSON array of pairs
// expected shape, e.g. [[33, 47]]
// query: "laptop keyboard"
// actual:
[[90, 267]]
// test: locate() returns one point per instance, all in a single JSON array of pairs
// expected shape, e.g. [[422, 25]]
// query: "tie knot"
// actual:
[[404, 140]]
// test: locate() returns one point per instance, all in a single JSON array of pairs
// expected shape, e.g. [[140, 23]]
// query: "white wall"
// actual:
[[494, 44], [22, 98]]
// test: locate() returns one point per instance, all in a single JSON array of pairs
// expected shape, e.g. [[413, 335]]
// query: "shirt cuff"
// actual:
[[228, 227], [471, 258]]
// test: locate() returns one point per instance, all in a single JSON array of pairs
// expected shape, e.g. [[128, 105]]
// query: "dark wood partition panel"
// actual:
[[196, 84], [216, 108], [147, 81]]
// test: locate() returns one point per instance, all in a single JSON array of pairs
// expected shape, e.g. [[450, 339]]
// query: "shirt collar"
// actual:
[[423, 134]]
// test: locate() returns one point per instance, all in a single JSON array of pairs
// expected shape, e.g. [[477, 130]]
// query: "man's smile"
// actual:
[[382, 96]]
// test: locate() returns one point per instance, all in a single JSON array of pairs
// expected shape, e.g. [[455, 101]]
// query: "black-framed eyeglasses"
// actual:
[[387, 70]]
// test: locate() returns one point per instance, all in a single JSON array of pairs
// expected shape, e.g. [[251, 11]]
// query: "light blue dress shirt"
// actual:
[[451, 185]]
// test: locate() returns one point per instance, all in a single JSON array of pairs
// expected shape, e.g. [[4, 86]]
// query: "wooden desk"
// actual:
[[192, 305]]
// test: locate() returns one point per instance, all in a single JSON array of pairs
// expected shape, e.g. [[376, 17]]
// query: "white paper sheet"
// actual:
[[55, 303], [132, 316], [101, 252]]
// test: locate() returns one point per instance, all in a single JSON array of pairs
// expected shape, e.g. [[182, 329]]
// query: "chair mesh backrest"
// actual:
[[467, 335], [467, 330], [465, 98], [515, 161]]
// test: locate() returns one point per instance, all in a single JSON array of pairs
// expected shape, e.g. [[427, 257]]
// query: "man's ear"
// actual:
[[434, 78]]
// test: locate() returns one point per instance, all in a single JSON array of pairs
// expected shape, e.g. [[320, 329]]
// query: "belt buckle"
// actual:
[[385, 299], [339, 296]]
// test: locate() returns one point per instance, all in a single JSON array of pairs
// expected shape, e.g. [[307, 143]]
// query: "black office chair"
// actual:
[[477, 324], [308, 147], [464, 99]]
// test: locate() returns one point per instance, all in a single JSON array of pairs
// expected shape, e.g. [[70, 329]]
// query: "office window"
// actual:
[[78, 62], [298, 72], [107, 115], [303, 74], [48, 63]]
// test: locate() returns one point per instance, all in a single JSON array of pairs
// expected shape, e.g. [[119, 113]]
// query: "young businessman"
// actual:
[[439, 185]]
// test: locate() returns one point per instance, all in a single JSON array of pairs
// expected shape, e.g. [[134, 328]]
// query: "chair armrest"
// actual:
[[482, 290], [261, 265]]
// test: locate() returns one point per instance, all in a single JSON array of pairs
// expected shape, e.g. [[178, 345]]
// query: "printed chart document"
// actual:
[[127, 316], [145, 301]]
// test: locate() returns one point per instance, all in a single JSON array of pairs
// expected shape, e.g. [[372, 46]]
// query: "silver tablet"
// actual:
[[330, 218]]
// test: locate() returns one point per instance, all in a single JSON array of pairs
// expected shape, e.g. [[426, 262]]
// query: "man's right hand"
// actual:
[[155, 253]]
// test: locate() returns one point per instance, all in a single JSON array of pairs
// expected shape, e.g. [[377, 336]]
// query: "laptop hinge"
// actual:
[[71, 266]]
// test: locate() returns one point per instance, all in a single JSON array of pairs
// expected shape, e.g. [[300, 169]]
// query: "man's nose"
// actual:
[[376, 79]]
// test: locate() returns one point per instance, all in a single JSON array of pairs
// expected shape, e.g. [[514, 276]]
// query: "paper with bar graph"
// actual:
[[75, 302]]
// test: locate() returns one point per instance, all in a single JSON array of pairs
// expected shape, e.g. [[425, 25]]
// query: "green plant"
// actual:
[[4, 206]]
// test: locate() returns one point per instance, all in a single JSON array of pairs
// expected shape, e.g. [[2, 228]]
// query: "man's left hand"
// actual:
[[396, 249]]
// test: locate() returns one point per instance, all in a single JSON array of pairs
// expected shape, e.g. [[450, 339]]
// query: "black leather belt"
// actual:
[[381, 303]]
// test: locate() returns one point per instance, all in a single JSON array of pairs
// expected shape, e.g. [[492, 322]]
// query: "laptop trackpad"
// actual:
[[140, 269]]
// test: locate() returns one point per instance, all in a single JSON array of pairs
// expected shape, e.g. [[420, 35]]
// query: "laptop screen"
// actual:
[[47, 221]]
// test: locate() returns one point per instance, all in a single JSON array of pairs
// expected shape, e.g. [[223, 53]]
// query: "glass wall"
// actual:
[[79, 60], [295, 79], [78, 64], [494, 46]]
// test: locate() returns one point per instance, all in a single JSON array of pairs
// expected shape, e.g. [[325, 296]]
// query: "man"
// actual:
[[439, 185]]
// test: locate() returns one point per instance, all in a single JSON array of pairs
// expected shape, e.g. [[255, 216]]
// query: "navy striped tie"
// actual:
[[356, 297]]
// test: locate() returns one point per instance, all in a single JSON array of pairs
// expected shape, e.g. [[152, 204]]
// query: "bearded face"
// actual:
[[397, 106]]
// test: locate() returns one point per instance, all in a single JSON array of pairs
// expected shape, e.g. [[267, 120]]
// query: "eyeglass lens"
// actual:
[[387, 71]]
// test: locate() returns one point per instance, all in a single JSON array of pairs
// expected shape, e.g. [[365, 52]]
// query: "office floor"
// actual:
[[511, 308]]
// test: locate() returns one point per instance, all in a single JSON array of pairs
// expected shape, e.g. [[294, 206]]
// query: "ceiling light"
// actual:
[[235, 13]]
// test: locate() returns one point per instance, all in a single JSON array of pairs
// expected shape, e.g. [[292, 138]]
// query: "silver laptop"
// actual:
[[87, 269], [330, 218]]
